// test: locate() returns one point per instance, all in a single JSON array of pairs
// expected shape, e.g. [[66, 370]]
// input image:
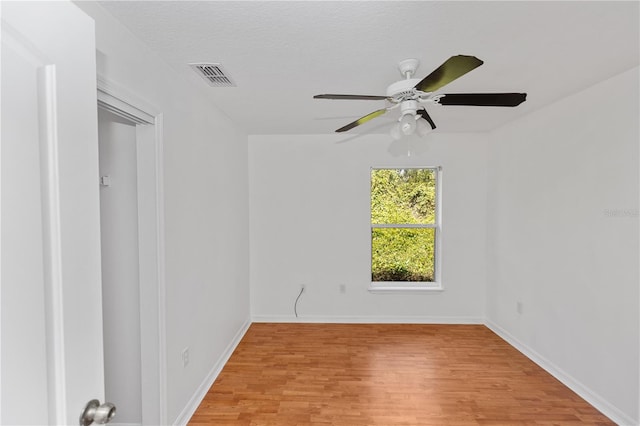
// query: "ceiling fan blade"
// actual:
[[483, 99], [362, 120], [424, 114], [451, 69], [356, 97]]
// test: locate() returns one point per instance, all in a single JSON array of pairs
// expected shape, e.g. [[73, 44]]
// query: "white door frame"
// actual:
[[149, 154]]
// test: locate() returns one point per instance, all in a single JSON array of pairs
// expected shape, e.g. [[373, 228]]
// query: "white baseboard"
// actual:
[[587, 394], [125, 424], [368, 319], [191, 407]]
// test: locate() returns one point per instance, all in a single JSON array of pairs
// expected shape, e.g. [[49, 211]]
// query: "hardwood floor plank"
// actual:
[[385, 374]]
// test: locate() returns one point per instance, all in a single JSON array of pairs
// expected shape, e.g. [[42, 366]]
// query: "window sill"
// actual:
[[404, 288]]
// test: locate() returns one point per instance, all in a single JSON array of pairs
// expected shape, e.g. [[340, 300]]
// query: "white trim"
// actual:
[[438, 242], [195, 400], [148, 206], [575, 385], [1, 381], [368, 319], [404, 225], [52, 246], [397, 287], [120, 101], [162, 293]]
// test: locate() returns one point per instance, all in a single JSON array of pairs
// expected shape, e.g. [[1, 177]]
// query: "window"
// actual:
[[404, 229]]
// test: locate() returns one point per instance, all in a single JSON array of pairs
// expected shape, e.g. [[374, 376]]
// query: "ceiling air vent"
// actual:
[[213, 74]]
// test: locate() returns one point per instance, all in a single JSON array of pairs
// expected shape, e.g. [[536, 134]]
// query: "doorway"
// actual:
[[131, 222], [120, 265]]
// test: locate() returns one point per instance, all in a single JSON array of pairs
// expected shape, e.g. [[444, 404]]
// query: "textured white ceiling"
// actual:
[[282, 53]]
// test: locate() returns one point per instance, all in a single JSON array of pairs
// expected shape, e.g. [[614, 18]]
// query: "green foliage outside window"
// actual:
[[403, 196]]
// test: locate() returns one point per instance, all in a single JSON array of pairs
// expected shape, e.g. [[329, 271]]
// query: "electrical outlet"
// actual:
[[343, 288], [519, 307], [185, 357]]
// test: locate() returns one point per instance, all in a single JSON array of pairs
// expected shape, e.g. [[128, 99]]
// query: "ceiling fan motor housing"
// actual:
[[409, 107], [403, 88]]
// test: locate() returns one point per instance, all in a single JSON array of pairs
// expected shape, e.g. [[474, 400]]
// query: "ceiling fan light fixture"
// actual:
[[422, 127], [395, 132], [411, 94], [408, 124]]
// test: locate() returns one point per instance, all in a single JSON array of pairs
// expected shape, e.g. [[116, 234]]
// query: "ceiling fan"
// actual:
[[411, 94]]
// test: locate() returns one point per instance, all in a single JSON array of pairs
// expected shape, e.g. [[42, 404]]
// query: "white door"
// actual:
[[51, 358]]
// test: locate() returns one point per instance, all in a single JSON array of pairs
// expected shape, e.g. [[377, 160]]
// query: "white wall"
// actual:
[[206, 211], [120, 271], [552, 175], [309, 215], [563, 241]]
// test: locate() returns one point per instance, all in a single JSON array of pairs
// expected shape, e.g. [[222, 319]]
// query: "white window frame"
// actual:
[[412, 286]]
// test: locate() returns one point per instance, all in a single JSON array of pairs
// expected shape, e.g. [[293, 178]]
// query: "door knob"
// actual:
[[95, 413]]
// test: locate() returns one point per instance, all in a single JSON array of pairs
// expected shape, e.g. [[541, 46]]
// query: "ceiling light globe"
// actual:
[[395, 132], [408, 124], [422, 127]]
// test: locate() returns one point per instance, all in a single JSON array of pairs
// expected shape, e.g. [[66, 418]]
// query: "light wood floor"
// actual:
[[373, 374]]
